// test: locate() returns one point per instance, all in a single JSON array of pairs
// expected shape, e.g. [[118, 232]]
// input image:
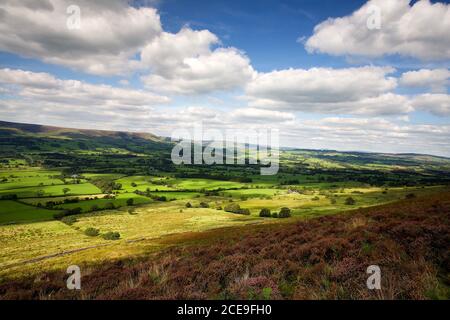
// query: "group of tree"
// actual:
[[236, 208], [284, 213]]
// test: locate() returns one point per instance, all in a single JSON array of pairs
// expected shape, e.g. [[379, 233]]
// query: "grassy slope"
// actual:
[[317, 258], [12, 211]]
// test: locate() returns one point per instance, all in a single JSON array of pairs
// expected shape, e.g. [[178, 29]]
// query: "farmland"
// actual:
[[60, 206]]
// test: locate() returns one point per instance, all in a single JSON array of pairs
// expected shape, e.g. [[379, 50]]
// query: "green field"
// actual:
[[12, 211], [41, 228], [142, 183], [119, 201], [49, 191]]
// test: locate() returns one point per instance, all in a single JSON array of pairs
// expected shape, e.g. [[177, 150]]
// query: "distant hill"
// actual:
[[51, 131]]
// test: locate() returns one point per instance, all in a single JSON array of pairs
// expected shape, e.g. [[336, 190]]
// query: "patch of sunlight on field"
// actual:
[[142, 183], [207, 184], [139, 232], [28, 172], [22, 182], [154, 221], [48, 191], [27, 241], [253, 192], [111, 176]]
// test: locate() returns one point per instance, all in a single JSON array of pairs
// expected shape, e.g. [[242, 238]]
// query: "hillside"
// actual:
[[323, 258]]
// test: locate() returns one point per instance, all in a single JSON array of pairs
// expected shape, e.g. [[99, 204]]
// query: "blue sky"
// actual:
[[313, 69]]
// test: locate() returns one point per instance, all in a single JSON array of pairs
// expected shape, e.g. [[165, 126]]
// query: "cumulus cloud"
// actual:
[[184, 63], [419, 31], [438, 104], [436, 79], [28, 95], [115, 38], [110, 34], [369, 134], [246, 115], [363, 90]]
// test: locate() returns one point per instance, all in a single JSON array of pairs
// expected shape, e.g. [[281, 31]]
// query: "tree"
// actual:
[[284, 213], [66, 190], [188, 205], [232, 207], [130, 202], [264, 213], [133, 184], [204, 205], [350, 201]]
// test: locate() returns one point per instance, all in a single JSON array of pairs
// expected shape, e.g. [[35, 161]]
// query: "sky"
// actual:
[[345, 75]]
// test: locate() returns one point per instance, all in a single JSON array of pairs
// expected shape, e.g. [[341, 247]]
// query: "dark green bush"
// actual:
[[264, 213], [350, 201], [91, 232], [69, 220], [232, 207], [204, 205], [111, 235], [284, 213], [244, 212], [130, 202]]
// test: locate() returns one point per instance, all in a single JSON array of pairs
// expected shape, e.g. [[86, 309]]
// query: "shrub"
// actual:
[[111, 235], [70, 220], [188, 205], [350, 201], [284, 213], [130, 202], [316, 198], [264, 213], [91, 232], [235, 208], [244, 212], [204, 205], [232, 207], [275, 215]]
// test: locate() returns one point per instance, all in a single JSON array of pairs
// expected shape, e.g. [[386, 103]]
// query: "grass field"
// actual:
[[142, 183], [49, 191], [13, 211], [119, 201], [205, 184]]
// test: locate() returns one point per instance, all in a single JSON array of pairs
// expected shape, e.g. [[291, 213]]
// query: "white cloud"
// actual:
[[245, 115], [364, 90], [438, 104], [368, 134], [184, 63], [111, 33], [32, 95], [437, 79], [115, 38], [419, 31]]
